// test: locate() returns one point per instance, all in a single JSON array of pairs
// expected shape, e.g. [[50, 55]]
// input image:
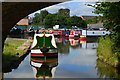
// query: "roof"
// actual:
[[23, 22], [95, 25]]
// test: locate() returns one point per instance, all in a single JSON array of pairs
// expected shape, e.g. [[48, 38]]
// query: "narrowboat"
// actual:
[[57, 32], [71, 36], [74, 33], [44, 45]]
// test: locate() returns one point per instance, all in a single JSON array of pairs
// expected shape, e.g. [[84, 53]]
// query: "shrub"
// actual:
[[106, 52]]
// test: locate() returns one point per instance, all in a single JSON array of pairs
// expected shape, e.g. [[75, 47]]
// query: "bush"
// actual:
[[106, 52]]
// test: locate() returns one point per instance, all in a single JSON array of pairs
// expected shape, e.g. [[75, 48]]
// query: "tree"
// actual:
[[39, 17], [76, 21], [55, 19], [43, 14], [60, 20], [36, 19], [111, 14], [64, 12], [48, 20]]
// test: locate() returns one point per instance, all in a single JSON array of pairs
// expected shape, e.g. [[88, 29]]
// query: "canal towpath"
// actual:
[[25, 46]]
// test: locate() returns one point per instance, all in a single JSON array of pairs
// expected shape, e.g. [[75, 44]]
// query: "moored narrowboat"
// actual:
[[44, 45]]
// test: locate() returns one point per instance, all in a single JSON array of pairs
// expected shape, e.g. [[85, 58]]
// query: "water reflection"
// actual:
[[44, 67], [79, 62], [74, 42], [107, 71], [83, 44], [8, 66], [65, 43]]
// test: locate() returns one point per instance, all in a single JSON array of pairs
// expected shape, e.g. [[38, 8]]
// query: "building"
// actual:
[[98, 26], [24, 21]]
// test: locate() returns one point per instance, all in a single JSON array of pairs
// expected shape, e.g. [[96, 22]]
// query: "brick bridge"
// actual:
[[12, 12]]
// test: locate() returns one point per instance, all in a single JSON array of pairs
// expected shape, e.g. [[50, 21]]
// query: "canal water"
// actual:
[[76, 59]]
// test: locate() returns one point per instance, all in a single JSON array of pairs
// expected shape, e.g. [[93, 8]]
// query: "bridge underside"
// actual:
[[12, 12]]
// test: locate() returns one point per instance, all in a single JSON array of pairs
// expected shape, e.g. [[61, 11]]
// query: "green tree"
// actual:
[[39, 17], [111, 16], [60, 20], [55, 19], [43, 14], [76, 21], [48, 20], [64, 12], [36, 19]]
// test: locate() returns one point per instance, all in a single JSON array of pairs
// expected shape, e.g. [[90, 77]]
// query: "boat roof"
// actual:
[[44, 39]]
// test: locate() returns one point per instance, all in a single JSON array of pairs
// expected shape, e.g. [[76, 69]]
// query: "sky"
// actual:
[[77, 7]]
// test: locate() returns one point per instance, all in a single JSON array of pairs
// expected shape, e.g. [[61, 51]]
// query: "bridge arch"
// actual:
[[12, 12]]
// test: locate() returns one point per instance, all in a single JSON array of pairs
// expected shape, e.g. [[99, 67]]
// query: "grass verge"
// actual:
[[10, 47], [106, 52]]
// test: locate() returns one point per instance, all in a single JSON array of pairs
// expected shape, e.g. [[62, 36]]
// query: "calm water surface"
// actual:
[[76, 59]]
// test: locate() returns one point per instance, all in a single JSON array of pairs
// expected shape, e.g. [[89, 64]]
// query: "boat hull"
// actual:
[[51, 54], [48, 55]]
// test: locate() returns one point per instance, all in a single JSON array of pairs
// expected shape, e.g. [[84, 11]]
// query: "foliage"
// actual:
[[49, 19], [61, 18], [76, 21], [57, 19], [36, 19], [39, 17], [105, 51], [64, 12], [109, 47], [111, 14], [105, 45], [43, 14]]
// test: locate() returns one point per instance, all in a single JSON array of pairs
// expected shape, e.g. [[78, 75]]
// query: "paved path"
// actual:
[[25, 45]]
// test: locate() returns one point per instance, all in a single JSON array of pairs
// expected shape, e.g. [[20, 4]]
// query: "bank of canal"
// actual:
[[15, 50]]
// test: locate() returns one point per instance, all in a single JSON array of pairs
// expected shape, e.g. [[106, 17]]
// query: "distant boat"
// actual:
[[44, 45], [74, 33]]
